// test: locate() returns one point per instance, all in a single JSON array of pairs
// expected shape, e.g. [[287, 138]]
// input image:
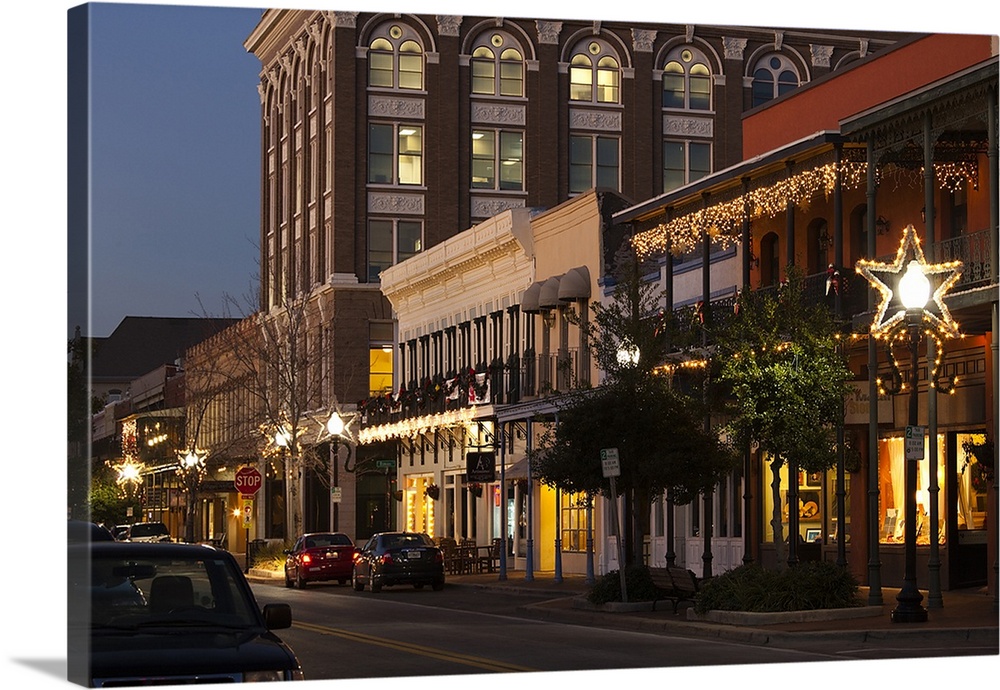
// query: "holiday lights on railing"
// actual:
[[723, 221], [411, 428]]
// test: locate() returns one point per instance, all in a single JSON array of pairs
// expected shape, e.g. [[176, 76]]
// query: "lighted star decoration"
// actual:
[[192, 460], [884, 323], [280, 437], [336, 424]]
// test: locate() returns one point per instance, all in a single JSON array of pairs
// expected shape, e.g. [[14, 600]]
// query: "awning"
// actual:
[[575, 285], [529, 300], [519, 470]]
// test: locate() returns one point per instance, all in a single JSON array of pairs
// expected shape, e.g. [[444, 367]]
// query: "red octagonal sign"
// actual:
[[248, 481]]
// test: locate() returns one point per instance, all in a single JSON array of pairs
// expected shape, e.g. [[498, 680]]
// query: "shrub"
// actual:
[[809, 585], [638, 585], [271, 556]]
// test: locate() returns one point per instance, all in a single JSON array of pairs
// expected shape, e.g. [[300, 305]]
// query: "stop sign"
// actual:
[[248, 481]]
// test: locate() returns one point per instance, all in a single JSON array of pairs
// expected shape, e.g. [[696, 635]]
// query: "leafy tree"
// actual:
[[659, 432], [787, 380]]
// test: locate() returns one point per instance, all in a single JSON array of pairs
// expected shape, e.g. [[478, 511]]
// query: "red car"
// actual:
[[319, 556]]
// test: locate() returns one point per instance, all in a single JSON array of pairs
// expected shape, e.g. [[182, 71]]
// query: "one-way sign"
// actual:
[[480, 467]]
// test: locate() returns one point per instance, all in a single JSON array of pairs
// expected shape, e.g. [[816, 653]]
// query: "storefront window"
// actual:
[[574, 521], [419, 506], [972, 484], [817, 504], [892, 491]]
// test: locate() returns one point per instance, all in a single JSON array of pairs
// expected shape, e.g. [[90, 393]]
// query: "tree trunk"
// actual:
[[776, 524]]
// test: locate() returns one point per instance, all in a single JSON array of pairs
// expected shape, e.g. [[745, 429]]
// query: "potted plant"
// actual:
[[432, 491], [476, 489]]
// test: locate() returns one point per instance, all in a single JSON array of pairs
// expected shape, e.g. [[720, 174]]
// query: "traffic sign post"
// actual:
[[611, 468], [914, 443], [247, 481]]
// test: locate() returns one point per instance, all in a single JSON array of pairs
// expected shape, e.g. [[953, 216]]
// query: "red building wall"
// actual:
[[822, 104]]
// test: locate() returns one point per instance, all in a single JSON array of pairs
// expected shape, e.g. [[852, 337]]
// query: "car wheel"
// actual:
[[288, 580], [376, 586], [300, 581], [359, 586], [438, 585]]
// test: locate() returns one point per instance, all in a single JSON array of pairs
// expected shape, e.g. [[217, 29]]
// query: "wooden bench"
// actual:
[[674, 584]]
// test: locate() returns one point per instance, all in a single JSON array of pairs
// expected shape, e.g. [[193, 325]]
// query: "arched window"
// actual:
[[773, 76], [498, 67], [594, 74], [687, 81], [396, 60]]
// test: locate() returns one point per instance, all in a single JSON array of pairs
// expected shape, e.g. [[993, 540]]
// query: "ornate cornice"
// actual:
[[395, 106], [499, 113], [449, 24], [548, 32], [734, 47], [643, 39], [820, 55]]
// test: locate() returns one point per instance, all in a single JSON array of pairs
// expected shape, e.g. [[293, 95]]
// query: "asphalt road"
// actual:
[[402, 632]]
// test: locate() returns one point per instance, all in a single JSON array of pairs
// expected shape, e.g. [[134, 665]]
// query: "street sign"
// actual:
[[336, 494], [248, 481], [385, 464], [480, 467], [914, 443], [246, 508], [609, 462]]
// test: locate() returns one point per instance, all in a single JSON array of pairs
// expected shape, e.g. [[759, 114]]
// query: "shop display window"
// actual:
[[892, 491], [972, 483], [817, 505]]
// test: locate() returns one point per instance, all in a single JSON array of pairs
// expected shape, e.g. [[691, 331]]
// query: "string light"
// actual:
[[410, 428], [723, 222]]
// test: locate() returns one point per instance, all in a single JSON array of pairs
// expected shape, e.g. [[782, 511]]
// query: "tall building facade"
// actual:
[[385, 134]]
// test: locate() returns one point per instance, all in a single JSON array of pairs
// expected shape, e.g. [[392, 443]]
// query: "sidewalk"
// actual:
[[967, 613]]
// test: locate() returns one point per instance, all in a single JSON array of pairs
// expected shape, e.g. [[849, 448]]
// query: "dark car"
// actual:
[[170, 614], [399, 558], [119, 532], [147, 531], [81, 531], [319, 556]]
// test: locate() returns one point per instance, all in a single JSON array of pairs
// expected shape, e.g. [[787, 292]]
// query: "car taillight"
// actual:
[[306, 558], [438, 557], [386, 559]]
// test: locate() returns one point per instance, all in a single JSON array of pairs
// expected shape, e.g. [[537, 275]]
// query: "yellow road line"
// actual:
[[443, 655]]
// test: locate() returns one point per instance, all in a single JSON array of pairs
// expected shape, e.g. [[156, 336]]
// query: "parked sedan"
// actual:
[[170, 614], [398, 558], [147, 531], [319, 556]]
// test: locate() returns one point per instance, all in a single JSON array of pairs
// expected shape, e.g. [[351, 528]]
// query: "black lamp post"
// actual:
[[914, 290]]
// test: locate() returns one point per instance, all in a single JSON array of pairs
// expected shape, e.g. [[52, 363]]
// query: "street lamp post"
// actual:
[[914, 290], [335, 427]]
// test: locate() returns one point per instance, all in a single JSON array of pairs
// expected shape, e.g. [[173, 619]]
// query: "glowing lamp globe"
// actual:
[[914, 288], [335, 425]]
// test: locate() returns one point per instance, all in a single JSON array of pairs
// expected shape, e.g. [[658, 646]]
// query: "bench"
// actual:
[[674, 584]]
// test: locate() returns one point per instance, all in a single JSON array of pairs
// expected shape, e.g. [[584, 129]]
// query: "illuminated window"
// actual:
[[497, 159], [396, 60], [395, 154], [687, 81], [594, 74], [497, 67], [380, 350], [573, 521], [892, 491]]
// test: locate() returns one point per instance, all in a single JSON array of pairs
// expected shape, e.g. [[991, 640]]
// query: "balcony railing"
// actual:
[[521, 377], [973, 250]]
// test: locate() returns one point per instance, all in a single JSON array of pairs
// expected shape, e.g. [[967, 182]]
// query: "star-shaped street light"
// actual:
[[913, 287], [884, 324], [336, 428]]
